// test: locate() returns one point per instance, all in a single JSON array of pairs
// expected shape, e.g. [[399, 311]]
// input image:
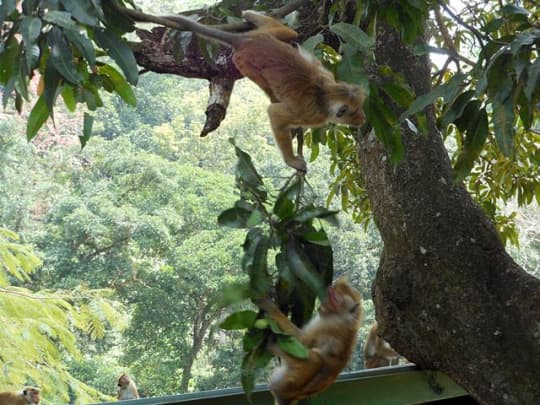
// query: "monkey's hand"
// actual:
[[266, 304], [298, 163]]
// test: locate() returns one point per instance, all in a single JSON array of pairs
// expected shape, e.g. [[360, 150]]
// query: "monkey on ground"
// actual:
[[126, 388], [302, 92], [330, 338], [28, 396], [377, 351]]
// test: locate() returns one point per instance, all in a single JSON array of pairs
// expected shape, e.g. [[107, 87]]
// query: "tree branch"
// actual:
[[447, 39], [172, 21], [460, 21]]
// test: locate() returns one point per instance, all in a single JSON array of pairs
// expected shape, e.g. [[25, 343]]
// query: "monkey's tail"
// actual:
[[224, 37]]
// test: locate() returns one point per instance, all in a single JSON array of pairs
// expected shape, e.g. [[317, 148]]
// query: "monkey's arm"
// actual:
[[281, 120], [278, 317]]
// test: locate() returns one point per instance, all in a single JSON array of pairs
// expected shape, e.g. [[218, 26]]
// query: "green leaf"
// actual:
[[239, 320], [254, 360], [533, 80], [61, 57], [7, 59], [30, 29], [309, 213], [52, 80], [447, 91], [121, 86], [87, 129], [83, 44], [60, 18], [37, 118], [7, 7], [474, 143], [385, 125], [292, 345], [400, 94], [301, 267], [68, 94], [82, 10], [118, 49], [252, 339], [311, 43], [353, 35], [457, 107], [503, 122], [284, 207], [245, 169], [318, 238], [234, 217], [255, 262], [234, 293]]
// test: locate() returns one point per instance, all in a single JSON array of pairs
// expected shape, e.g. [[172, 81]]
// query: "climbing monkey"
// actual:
[[330, 338]]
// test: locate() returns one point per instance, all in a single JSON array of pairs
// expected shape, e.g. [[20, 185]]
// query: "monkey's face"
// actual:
[[123, 382], [32, 395], [346, 105], [342, 299]]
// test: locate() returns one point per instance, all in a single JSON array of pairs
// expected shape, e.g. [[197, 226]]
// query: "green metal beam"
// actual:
[[399, 385]]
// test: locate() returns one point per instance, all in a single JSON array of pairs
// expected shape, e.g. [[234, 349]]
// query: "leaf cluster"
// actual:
[[281, 226], [63, 43], [39, 329]]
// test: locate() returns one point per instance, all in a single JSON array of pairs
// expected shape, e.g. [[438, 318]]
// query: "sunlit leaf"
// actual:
[[37, 118], [121, 86], [239, 320]]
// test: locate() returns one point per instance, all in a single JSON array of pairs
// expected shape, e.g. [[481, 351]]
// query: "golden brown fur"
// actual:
[[330, 338], [28, 396], [302, 92], [377, 351], [126, 388]]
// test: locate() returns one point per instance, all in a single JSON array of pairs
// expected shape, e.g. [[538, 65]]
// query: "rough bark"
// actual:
[[447, 295]]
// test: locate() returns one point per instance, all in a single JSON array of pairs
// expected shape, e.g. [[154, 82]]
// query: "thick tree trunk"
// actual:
[[447, 295]]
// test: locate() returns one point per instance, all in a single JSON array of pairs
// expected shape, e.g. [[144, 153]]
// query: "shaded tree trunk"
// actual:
[[447, 295]]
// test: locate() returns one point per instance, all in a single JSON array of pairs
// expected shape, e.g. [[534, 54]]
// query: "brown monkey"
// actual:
[[377, 351], [303, 93], [126, 388], [28, 396], [330, 338]]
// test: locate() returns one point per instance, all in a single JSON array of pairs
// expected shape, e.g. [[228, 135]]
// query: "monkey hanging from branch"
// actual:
[[302, 92]]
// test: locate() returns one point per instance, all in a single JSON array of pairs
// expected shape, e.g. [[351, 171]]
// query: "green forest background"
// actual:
[[111, 258]]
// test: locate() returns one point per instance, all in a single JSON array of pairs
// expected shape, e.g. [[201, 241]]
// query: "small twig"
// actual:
[[447, 39], [460, 21]]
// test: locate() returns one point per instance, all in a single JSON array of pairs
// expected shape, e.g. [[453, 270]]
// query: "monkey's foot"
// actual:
[[297, 163]]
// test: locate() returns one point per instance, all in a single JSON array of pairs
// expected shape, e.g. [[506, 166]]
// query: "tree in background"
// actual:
[[447, 295]]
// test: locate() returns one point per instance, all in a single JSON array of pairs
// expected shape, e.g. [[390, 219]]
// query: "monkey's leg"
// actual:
[[293, 380], [270, 26], [278, 317], [281, 120]]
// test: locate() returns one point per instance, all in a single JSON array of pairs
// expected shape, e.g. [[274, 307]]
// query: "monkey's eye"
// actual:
[[354, 309], [342, 110]]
